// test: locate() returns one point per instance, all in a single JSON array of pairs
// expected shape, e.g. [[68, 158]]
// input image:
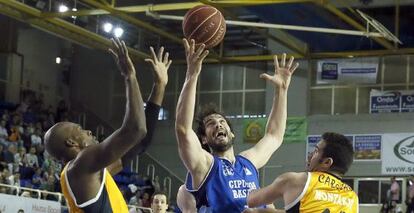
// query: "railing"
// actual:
[[167, 185], [146, 210], [151, 171], [39, 192], [18, 189]]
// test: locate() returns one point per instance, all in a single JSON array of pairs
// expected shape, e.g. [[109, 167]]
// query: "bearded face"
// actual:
[[218, 134]]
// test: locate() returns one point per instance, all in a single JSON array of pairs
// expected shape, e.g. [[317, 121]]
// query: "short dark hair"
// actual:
[[340, 149], [205, 111]]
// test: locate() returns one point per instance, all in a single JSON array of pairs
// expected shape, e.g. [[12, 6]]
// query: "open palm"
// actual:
[[160, 63], [283, 72]]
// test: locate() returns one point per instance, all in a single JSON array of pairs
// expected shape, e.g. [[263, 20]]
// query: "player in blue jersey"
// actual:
[[220, 179]]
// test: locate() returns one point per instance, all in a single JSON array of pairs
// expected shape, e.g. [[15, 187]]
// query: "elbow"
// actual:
[[250, 201], [180, 130], [141, 133], [138, 132]]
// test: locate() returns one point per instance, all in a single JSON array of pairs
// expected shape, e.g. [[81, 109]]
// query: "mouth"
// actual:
[[221, 134]]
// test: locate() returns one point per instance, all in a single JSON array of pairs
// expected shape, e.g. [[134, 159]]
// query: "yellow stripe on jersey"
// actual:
[[325, 193], [108, 195]]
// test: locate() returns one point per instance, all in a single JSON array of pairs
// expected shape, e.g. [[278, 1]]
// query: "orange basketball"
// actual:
[[205, 24]]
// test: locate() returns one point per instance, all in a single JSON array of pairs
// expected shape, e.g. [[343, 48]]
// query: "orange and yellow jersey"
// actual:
[[324, 193], [108, 199]]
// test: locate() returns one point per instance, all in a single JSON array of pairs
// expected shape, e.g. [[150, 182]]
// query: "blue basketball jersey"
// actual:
[[226, 186]]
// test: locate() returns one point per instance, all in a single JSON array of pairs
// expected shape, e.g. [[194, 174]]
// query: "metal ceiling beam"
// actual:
[[321, 55], [59, 27], [169, 7], [255, 2], [331, 8], [142, 24], [129, 9], [286, 39], [134, 21]]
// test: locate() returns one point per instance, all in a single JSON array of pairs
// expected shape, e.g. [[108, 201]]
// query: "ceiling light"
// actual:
[[107, 27], [58, 60], [63, 8], [118, 32]]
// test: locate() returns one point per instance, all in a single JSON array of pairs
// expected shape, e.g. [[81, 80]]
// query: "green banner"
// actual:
[[254, 129]]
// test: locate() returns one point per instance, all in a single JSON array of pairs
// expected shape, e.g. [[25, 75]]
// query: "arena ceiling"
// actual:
[[84, 25]]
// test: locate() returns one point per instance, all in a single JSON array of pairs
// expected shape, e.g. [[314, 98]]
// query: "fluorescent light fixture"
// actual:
[[58, 60], [74, 10]]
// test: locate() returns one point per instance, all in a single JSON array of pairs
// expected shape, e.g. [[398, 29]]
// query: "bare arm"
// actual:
[[263, 211], [287, 186], [196, 160], [133, 128], [276, 123], [160, 65]]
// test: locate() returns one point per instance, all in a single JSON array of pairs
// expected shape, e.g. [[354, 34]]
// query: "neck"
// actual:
[[336, 174], [228, 154]]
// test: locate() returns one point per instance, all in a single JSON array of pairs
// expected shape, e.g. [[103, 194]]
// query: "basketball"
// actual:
[[205, 24]]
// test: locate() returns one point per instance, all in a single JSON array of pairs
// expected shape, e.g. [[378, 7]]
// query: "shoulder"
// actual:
[[295, 178]]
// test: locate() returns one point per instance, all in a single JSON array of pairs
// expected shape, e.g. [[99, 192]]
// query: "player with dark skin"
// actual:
[[84, 157]]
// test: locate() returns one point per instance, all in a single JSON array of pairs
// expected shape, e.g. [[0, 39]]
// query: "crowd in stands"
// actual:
[[25, 163]]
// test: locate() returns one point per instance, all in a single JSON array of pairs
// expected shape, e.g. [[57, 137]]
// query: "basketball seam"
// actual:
[[202, 23], [189, 15], [218, 28]]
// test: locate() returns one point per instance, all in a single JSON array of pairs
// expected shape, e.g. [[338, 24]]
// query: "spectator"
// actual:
[[4, 135], [9, 156], [410, 193], [19, 159], [37, 178], [31, 158], [393, 195], [36, 137], [14, 134]]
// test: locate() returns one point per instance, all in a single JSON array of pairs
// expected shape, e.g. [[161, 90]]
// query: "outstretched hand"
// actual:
[[283, 72], [119, 52], [194, 55], [160, 63]]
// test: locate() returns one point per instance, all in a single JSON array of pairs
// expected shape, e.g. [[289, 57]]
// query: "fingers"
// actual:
[[150, 61], [204, 55], [165, 60], [154, 57], [199, 51], [114, 55], [265, 76], [276, 62], [160, 53], [192, 46], [124, 48], [294, 67], [115, 44], [289, 65], [283, 62], [168, 64], [186, 46]]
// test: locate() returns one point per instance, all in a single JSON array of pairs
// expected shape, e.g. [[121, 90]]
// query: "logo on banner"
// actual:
[[330, 71], [404, 149], [389, 97]]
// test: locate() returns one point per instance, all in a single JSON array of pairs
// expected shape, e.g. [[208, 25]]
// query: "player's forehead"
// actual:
[[160, 197], [211, 117]]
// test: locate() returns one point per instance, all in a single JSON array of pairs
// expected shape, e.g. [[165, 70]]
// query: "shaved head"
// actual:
[[55, 140]]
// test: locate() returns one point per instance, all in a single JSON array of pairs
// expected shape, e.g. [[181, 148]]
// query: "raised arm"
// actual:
[[133, 128], [194, 157], [160, 65], [287, 186], [276, 123]]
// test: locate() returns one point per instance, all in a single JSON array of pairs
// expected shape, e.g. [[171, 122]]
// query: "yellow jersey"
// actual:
[[108, 199], [324, 193]]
